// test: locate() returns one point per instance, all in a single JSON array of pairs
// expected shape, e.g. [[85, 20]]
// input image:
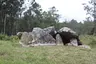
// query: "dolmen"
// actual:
[[49, 36]]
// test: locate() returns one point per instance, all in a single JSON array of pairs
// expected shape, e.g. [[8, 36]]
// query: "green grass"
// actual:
[[11, 52]]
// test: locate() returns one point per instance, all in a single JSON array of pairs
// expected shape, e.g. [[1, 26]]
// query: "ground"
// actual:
[[12, 53]]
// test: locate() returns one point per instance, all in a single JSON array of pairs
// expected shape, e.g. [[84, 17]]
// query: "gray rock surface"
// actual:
[[26, 39], [19, 34], [73, 42], [58, 39], [85, 46], [41, 36], [66, 29], [49, 29]]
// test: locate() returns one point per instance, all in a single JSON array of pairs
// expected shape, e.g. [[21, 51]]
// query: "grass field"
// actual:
[[12, 53]]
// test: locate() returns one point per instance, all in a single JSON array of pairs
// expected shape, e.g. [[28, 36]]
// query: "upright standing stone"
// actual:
[[26, 39], [58, 39]]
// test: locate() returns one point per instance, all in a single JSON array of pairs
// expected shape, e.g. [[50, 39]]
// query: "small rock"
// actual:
[[85, 46]]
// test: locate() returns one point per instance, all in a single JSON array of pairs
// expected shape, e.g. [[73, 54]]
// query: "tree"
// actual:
[[51, 17], [91, 10], [30, 18], [9, 11]]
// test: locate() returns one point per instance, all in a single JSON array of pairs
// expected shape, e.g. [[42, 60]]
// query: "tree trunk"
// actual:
[[5, 24]]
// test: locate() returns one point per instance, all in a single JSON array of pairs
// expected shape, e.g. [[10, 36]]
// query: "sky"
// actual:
[[68, 9]]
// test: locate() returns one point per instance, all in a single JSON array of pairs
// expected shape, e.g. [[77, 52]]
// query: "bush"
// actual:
[[93, 42], [89, 40], [14, 38], [5, 37]]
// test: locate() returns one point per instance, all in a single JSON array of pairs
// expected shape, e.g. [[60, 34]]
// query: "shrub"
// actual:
[[14, 38], [89, 40], [4, 37], [93, 42]]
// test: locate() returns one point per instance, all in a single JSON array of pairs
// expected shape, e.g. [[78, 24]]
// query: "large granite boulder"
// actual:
[[26, 39], [69, 36], [66, 29], [41, 36], [49, 29]]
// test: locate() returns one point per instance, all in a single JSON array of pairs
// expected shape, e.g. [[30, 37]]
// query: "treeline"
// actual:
[[14, 18]]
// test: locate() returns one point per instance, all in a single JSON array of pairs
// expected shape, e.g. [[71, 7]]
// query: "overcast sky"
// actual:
[[68, 9]]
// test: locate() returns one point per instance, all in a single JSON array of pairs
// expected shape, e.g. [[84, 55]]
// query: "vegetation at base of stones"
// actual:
[[89, 40], [12, 53], [6, 37]]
